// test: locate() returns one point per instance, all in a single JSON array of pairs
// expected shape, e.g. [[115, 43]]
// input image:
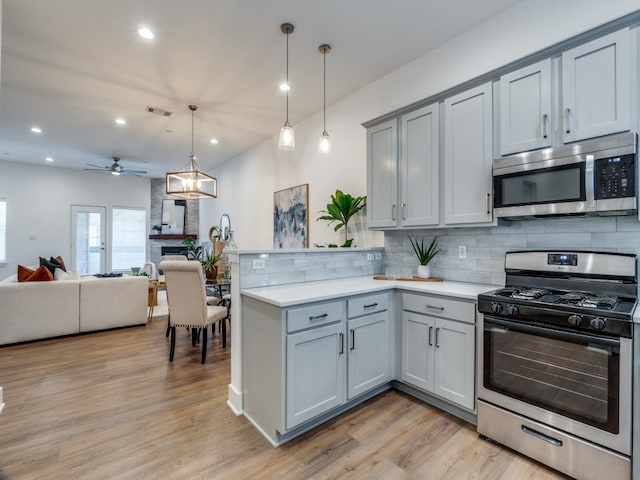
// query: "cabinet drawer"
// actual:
[[367, 304], [314, 315], [439, 307]]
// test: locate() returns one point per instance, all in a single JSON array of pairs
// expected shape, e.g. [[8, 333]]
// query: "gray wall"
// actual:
[[486, 246]]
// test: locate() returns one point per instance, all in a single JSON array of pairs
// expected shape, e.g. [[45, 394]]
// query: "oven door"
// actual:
[[551, 187], [571, 381]]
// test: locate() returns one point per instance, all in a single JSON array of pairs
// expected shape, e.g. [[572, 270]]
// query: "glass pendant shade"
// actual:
[[324, 145], [191, 183], [287, 140]]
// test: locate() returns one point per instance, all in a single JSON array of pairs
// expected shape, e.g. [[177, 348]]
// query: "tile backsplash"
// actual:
[[486, 246], [284, 267]]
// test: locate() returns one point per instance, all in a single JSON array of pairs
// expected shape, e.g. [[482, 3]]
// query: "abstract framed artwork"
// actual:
[[290, 217]]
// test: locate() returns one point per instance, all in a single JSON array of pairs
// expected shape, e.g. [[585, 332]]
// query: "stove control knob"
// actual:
[[575, 320], [512, 310], [496, 307], [598, 323]]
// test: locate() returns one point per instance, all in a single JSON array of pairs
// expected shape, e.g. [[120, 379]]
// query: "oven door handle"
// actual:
[[612, 342]]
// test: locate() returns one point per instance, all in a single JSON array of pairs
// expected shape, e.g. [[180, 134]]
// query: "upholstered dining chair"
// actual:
[[187, 300]]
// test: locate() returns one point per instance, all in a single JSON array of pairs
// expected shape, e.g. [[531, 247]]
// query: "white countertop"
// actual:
[[297, 293]]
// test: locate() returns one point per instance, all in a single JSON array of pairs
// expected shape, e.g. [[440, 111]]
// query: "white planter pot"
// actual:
[[424, 271]]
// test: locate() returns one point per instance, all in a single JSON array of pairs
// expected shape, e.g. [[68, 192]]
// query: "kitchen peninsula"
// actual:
[[311, 350]]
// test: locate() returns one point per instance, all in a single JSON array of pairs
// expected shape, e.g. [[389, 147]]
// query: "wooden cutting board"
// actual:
[[408, 279]]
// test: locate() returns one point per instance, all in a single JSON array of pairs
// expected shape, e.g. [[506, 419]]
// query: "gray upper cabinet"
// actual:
[[419, 167], [468, 156], [382, 171], [596, 88], [525, 108], [403, 182]]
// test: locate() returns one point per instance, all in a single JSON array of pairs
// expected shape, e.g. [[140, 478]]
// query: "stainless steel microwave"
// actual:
[[595, 177]]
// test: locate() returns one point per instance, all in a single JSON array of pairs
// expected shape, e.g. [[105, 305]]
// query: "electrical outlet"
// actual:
[[462, 251], [258, 264], [370, 256], [378, 256]]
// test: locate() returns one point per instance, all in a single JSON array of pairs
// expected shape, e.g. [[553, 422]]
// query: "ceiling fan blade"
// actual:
[[99, 167], [133, 173]]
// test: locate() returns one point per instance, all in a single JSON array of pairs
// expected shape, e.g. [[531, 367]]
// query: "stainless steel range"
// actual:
[[556, 360]]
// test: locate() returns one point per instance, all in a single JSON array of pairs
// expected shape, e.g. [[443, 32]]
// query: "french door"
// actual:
[[88, 239]]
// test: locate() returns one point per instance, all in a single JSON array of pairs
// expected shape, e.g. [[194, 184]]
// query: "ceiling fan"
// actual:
[[116, 169]]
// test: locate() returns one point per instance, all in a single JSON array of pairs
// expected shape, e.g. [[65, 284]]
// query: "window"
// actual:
[[129, 231], [3, 230]]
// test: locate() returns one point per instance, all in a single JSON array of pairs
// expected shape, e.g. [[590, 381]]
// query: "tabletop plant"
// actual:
[[340, 210], [193, 251], [424, 254], [209, 261]]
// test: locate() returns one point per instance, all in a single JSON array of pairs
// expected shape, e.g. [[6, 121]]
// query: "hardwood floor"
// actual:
[[110, 406]]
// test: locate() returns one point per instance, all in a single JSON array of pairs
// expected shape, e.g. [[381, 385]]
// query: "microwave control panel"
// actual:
[[615, 177]]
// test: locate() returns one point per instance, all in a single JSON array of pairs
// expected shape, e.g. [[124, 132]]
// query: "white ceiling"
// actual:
[[72, 66]]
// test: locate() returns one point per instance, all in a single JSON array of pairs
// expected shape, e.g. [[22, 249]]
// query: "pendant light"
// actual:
[[191, 183], [324, 146], [287, 140]]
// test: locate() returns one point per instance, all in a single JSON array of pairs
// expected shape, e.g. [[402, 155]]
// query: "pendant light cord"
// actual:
[[192, 113], [288, 86], [324, 92]]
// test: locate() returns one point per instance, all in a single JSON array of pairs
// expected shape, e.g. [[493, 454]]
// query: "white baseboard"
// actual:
[[234, 400]]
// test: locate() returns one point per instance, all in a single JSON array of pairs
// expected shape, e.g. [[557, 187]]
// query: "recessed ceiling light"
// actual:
[[36, 130], [284, 87], [214, 141], [145, 32], [121, 121], [49, 159]]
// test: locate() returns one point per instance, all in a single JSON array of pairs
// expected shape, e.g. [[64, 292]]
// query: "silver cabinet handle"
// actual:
[[567, 112], [404, 211], [341, 344], [393, 212], [318, 317], [353, 339], [430, 338], [488, 204], [437, 340], [433, 307], [545, 124], [371, 305]]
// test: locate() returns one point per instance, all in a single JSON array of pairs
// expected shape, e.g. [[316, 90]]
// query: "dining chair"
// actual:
[[187, 302]]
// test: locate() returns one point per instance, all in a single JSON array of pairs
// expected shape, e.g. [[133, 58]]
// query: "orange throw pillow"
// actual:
[[41, 274]]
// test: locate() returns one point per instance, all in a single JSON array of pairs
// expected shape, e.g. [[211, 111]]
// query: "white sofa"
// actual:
[[37, 310]]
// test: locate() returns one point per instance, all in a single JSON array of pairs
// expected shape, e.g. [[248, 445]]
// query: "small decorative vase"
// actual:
[[424, 271]]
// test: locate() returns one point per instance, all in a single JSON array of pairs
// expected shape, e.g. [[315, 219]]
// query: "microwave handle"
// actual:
[[488, 204], [545, 125], [567, 112]]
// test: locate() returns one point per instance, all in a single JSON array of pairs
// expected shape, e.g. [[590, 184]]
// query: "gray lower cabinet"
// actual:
[[329, 365], [438, 353], [368, 354], [315, 369], [305, 362]]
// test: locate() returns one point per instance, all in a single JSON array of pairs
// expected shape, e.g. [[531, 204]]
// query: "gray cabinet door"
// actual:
[[596, 88], [454, 378], [315, 373], [368, 358], [468, 156], [417, 350], [525, 108], [419, 167], [382, 171]]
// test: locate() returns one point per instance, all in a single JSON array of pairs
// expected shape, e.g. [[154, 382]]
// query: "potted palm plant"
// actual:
[[425, 255], [342, 207], [209, 262]]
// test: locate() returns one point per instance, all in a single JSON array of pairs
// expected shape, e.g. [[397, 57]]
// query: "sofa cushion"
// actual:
[[51, 264], [41, 274], [61, 275]]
